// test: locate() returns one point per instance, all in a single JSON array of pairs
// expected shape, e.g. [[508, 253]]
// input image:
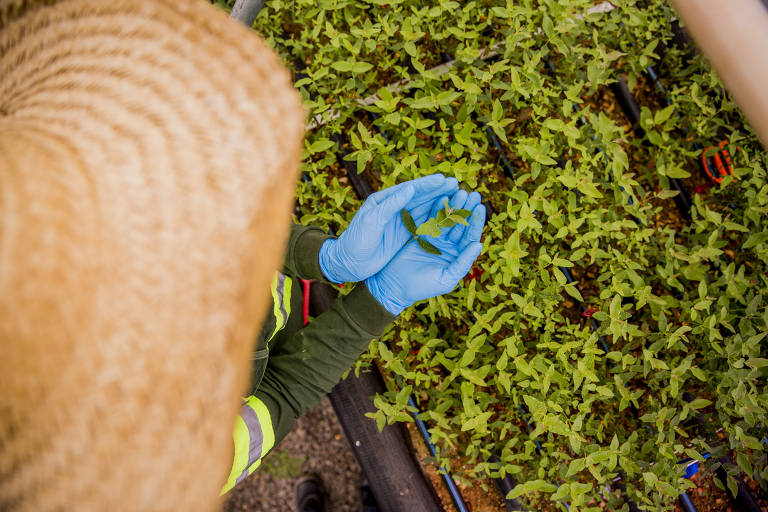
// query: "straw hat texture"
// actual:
[[148, 155]]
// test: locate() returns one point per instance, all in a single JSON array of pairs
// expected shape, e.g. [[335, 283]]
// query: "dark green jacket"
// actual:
[[295, 366]]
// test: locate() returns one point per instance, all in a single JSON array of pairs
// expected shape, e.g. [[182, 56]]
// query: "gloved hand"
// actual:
[[377, 231], [414, 274]]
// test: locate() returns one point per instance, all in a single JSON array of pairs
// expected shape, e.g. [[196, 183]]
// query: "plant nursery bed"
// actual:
[[508, 363]]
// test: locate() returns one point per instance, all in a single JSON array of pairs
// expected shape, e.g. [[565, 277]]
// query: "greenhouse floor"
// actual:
[[315, 445]]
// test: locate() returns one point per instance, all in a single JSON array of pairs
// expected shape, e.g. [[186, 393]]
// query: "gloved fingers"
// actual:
[[431, 184], [474, 231], [462, 264], [448, 187], [390, 207], [457, 232], [421, 204], [421, 185], [457, 199]]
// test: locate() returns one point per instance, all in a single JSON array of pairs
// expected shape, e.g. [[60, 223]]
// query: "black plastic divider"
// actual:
[[386, 457], [505, 485], [630, 107]]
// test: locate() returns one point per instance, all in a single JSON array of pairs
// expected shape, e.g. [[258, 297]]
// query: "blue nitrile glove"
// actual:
[[377, 231], [414, 274]]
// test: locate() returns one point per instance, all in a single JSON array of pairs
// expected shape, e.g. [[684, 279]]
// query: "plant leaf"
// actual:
[[429, 228], [446, 223], [410, 224], [458, 219], [431, 249], [462, 213]]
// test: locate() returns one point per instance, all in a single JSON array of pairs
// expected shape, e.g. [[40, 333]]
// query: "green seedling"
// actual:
[[445, 218]]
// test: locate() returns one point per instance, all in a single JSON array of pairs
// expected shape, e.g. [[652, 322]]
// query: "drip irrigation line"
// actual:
[[686, 502], [447, 479]]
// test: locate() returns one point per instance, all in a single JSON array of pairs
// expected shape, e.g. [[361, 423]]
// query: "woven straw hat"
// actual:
[[148, 151]]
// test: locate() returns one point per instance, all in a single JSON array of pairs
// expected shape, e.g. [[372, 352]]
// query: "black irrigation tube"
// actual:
[[631, 109], [743, 501]]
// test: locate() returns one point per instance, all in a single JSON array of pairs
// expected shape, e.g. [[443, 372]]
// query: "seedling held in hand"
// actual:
[[433, 227]]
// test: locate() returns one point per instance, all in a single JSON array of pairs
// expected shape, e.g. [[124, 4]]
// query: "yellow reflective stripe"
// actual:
[[281, 300], [241, 438], [265, 419], [253, 436]]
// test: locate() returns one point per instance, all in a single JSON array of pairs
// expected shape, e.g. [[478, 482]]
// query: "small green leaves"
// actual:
[[445, 218], [428, 246], [429, 228], [354, 67], [410, 224]]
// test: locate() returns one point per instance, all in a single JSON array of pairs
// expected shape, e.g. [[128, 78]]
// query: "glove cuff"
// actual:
[[325, 260], [382, 297], [367, 311]]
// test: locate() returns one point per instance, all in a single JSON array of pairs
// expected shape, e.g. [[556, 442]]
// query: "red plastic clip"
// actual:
[[722, 161], [305, 284]]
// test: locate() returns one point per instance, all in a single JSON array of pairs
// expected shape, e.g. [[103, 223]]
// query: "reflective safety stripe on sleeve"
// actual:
[[254, 436], [281, 300]]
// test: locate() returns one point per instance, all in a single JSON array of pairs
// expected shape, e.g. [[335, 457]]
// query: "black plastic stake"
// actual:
[[630, 107], [359, 183], [504, 485]]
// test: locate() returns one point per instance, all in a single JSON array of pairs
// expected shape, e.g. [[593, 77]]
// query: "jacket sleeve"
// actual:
[[301, 259], [305, 367]]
